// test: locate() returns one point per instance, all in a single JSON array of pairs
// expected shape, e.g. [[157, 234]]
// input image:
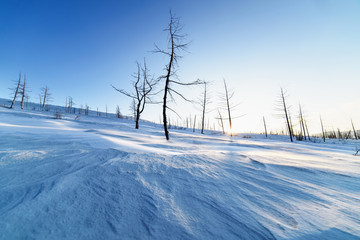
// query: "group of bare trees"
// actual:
[[45, 98], [303, 132], [145, 89], [143, 85], [20, 89]]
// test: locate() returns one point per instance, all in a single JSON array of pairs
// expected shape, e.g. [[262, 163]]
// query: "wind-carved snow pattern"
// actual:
[[98, 178]]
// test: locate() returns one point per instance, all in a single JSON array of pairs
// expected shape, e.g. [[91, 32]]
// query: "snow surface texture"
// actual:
[[99, 178]]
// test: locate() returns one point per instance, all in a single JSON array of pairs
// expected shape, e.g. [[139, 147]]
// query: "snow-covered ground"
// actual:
[[99, 178]]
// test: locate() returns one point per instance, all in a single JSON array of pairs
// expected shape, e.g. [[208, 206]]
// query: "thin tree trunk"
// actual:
[[44, 101], [286, 115], [167, 87], [137, 116], [265, 126], [355, 135], [322, 129], [307, 130], [16, 92], [203, 112], [228, 108], [302, 122], [23, 93]]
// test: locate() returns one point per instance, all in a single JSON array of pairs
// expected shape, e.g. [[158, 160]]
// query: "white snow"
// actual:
[[99, 178]]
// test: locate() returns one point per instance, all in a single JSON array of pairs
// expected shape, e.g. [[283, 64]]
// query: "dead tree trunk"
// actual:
[[287, 117], [167, 80], [228, 108], [16, 92], [302, 124], [322, 129], [45, 97], [265, 126], [355, 134], [203, 109], [176, 44], [23, 93], [307, 130]]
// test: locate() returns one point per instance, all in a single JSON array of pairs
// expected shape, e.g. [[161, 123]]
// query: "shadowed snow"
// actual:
[[99, 178]]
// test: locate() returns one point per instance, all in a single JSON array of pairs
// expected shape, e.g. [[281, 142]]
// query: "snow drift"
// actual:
[[98, 178]]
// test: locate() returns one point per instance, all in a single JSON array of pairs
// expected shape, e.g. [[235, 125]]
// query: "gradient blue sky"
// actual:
[[79, 48]]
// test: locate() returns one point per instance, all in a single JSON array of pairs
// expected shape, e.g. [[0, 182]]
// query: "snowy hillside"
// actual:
[[99, 178]]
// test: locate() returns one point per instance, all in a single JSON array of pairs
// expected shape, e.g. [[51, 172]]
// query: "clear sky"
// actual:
[[79, 48]]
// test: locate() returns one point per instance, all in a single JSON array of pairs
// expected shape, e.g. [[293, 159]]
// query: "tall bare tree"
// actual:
[[118, 113], [355, 134], [204, 102], [265, 126], [229, 107], [23, 93], [307, 130], [286, 113], [176, 44], [16, 91], [87, 108], [46, 97], [143, 85], [322, 129], [302, 122], [70, 104]]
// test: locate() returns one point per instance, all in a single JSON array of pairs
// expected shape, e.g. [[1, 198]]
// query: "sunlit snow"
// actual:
[[99, 178]]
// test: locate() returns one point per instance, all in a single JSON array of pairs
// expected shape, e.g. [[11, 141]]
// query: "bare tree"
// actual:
[[46, 97], [66, 104], [265, 126], [286, 114], [176, 44], [355, 134], [302, 122], [230, 106], [87, 108], [118, 113], [307, 130], [322, 129], [16, 90], [70, 105], [143, 85], [204, 102], [23, 93]]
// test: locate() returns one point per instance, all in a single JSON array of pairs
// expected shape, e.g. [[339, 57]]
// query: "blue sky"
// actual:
[[80, 48]]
